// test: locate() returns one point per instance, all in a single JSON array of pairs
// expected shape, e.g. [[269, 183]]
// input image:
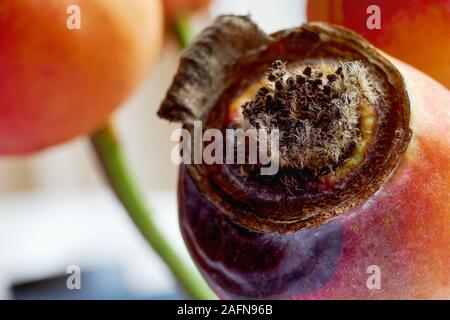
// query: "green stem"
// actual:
[[183, 31], [110, 155]]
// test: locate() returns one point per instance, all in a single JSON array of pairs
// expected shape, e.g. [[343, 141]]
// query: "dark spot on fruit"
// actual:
[[247, 264]]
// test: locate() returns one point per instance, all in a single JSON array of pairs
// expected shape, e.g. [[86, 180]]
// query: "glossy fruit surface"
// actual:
[[377, 226], [414, 31], [57, 83], [404, 229]]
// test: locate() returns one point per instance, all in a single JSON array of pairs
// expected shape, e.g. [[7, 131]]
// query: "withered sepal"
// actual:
[[205, 66]]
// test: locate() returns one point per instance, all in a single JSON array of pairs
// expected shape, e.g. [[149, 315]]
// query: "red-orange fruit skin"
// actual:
[[415, 31], [405, 227], [56, 83]]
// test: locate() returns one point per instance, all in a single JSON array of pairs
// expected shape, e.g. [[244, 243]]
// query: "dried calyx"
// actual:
[[317, 110], [341, 108]]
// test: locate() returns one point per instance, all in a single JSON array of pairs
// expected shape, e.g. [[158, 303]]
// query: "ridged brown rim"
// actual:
[[230, 55]]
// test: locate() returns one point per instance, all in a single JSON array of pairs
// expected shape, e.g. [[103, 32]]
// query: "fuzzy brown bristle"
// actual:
[[315, 108]]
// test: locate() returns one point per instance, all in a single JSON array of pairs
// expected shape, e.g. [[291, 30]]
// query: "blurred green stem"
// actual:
[[183, 31], [110, 155]]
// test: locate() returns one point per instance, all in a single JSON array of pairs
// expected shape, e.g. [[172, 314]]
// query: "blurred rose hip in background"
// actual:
[[415, 31], [176, 9], [57, 83]]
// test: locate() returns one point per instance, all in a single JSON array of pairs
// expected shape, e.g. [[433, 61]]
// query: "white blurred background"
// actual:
[[55, 210]]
